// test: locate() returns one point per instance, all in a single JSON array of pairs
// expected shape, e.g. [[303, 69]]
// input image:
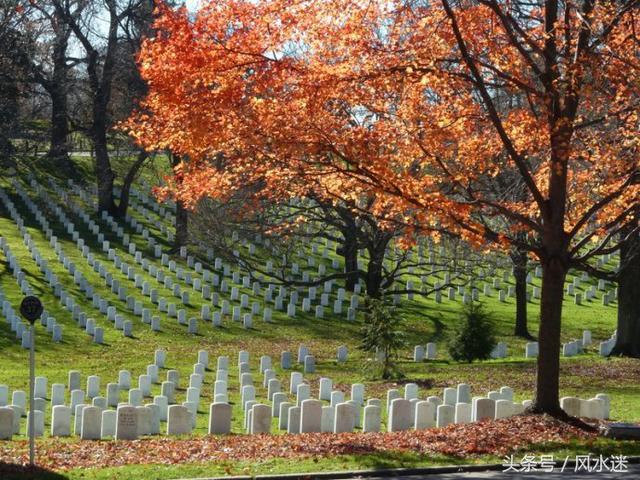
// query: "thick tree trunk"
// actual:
[[374, 273], [555, 263], [350, 253], [628, 335], [182, 226], [520, 260], [123, 205], [547, 399], [182, 215], [59, 135], [104, 173], [57, 88]]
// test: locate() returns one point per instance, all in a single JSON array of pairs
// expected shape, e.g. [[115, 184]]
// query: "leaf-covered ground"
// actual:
[[484, 438]]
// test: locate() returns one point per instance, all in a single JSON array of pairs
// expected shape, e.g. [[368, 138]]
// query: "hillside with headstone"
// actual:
[[137, 340], [250, 239]]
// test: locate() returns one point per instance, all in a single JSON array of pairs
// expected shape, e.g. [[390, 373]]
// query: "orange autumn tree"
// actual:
[[506, 122]]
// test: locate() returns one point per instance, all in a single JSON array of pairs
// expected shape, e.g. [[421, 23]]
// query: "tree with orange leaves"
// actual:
[[427, 104]]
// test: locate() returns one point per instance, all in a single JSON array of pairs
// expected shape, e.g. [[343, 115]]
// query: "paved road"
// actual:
[[633, 473]]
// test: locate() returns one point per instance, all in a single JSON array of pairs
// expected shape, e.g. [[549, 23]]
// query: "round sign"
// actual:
[[31, 308]]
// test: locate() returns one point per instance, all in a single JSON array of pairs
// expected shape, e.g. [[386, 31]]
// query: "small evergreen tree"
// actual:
[[474, 338], [382, 335]]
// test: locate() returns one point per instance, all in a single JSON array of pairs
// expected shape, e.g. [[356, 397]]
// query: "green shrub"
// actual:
[[474, 338], [382, 336]]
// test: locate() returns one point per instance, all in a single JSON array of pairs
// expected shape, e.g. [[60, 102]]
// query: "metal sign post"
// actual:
[[32, 388], [31, 309]]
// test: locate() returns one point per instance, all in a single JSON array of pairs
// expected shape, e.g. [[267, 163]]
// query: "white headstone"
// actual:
[[372, 418], [504, 408], [7, 423], [345, 418], [445, 415], [108, 423], [400, 415], [37, 417], [357, 393], [179, 420], [571, 405], [260, 419], [277, 398], [342, 354], [463, 412], [283, 415], [336, 397], [60, 421], [91, 423], [219, 418], [411, 391], [326, 385], [310, 416], [57, 394], [483, 408], [126, 423], [293, 422], [303, 392], [463, 393]]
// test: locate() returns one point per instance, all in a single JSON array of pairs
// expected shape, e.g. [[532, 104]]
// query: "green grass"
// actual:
[[277, 466], [425, 321]]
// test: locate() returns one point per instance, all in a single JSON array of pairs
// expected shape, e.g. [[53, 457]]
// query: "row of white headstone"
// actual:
[[466, 298], [145, 381], [570, 349], [589, 294], [576, 347], [308, 415], [605, 347], [456, 406], [100, 303], [597, 407], [21, 330], [66, 299], [337, 307], [206, 289], [429, 352], [68, 265]]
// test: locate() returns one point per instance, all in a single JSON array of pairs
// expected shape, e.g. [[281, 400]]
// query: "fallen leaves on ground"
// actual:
[[487, 437]]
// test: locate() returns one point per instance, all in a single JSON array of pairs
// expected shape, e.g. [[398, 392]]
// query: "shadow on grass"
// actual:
[[11, 471], [599, 446], [393, 459]]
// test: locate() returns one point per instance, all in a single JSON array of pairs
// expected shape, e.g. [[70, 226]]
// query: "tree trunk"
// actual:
[[182, 224], [59, 147], [58, 91], [104, 173], [628, 335], [123, 205], [350, 253], [386, 373], [547, 399], [520, 260], [182, 216], [374, 273], [555, 263]]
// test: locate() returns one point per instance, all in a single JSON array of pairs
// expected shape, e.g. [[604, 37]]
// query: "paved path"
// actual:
[[632, 473]]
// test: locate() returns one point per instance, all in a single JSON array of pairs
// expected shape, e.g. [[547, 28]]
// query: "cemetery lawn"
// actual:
[[165, 458], [270, 467], [424, 321]]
